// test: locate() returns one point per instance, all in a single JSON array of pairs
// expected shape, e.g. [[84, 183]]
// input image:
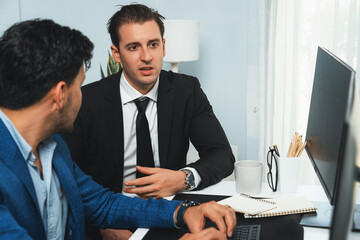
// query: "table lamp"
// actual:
[[181, 42]]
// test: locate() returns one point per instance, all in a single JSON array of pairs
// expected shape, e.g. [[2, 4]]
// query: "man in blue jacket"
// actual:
[[43, 193]]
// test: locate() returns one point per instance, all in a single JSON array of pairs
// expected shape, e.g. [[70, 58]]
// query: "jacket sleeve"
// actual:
[[9, 228], [113, 210], [208, 137]]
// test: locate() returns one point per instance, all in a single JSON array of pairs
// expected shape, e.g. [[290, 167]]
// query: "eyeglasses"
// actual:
[[273, 182]]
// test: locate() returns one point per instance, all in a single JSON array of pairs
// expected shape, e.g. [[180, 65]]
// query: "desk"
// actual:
[[313, 193]]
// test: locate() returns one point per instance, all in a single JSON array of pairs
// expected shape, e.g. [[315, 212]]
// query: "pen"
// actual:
[[296, 146], [277, 150], [298, 153]]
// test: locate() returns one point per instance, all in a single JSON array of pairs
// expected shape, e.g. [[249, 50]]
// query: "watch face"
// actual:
[[191, 179]]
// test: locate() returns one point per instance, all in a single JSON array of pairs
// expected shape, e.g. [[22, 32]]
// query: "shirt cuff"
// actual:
[[197, 178]]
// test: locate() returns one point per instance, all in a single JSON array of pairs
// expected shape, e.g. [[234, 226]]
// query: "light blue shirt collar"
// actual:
[[24, 147]]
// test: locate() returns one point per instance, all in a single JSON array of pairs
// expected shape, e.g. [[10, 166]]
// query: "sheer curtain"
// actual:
[[290, 33]]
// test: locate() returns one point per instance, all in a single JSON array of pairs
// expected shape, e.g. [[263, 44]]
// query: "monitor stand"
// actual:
[[322, 217]]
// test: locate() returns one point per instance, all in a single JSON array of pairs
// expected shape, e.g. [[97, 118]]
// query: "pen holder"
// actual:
[[289, 168]]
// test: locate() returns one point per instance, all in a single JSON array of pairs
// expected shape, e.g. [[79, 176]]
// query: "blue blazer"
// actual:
[[19, 210]]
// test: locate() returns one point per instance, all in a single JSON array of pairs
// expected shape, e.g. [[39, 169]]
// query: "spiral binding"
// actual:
[[281, 213], [257, 199]]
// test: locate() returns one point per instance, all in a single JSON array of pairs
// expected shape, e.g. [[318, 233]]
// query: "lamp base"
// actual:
[[175, 67]]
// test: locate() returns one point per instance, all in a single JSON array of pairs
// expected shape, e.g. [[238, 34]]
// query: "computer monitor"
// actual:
[[333, 137]]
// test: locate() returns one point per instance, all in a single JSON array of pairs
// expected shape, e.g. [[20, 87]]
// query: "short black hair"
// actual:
[[34, 56], [133, 13]]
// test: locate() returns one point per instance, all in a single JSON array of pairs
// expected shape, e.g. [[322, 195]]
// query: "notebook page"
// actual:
[[246, 204]]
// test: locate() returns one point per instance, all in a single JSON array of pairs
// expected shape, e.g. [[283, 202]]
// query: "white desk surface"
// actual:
[[313, 193]]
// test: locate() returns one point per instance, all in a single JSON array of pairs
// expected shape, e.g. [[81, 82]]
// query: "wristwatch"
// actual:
[[189, 179], [180, 214]]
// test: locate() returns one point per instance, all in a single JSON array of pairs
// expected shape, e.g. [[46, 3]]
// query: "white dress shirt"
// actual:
[[128, 94]]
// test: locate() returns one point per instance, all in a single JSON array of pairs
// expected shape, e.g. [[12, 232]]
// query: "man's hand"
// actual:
[[160, 183], [223, 217], [206, 234], [115, 234]]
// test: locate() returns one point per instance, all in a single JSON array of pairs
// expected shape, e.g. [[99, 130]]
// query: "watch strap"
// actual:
[[180, 214]]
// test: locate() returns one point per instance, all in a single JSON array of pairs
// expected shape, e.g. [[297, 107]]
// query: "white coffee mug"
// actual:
[[248, 176]]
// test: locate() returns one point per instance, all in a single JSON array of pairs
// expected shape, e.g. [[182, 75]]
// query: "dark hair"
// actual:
[[34, 56], [133, 13]]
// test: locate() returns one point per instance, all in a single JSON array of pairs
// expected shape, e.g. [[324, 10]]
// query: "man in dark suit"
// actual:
[[104, 140], [178, 111], [43, 193]]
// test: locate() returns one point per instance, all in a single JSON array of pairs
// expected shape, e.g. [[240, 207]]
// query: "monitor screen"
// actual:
[[333, 136], [325, 131]]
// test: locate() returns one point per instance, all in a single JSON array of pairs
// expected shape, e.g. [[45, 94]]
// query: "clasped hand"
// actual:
[[160, 183]]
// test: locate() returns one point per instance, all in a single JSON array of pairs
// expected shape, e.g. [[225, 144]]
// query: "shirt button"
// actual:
[[70, 232]]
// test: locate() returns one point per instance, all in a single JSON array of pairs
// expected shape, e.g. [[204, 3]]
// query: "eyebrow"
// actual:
[[138, 43], [154, 40]]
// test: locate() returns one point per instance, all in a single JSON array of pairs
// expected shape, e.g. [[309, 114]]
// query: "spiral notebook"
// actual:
[[286, 206], [248, 205]]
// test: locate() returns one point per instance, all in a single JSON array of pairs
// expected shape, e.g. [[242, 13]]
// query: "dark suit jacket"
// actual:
[[97, 145], [19, 209]]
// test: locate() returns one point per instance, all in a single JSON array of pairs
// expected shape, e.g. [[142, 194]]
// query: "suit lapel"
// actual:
[[165, 114], [115, 117], [69, 186], [12, 157]]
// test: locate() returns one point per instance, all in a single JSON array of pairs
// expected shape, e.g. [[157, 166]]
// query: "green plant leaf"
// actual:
[[102, 72], [112, 66]]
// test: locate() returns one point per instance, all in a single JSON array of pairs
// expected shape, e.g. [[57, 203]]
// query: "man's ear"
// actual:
[[164, 49], [59, 94], [115, 53]]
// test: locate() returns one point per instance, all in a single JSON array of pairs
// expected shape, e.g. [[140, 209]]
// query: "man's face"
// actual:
[[141, 52], [72, 105]]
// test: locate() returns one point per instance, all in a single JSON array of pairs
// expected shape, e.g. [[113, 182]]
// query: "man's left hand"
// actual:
[[160, 183], [223, 216]]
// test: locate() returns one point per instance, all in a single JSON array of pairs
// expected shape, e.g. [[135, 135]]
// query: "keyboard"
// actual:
[[246, 232]]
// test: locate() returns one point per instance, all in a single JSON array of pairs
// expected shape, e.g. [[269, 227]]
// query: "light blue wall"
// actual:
[[9, 13], [228, 50]]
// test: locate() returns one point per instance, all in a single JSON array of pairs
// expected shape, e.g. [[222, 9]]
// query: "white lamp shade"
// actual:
[[181, 40]]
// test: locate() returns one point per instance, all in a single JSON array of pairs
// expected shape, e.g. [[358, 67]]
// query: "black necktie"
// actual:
[[144, 152]]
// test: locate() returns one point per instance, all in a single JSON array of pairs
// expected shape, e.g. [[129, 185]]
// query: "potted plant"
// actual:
[[111, 68]]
